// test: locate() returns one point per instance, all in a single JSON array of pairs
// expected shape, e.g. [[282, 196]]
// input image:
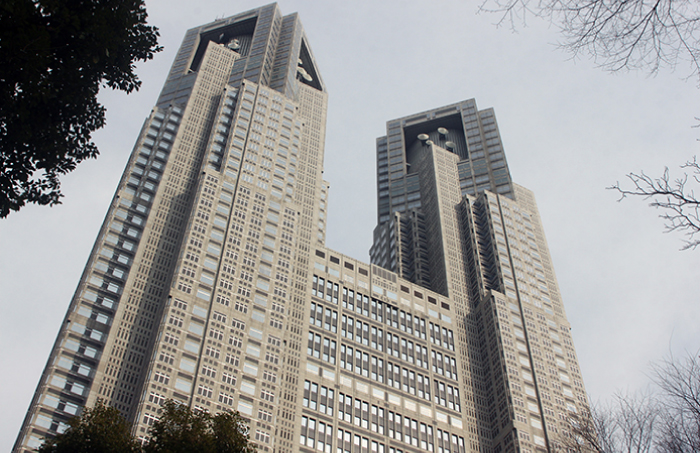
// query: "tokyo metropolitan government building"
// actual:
[[210, 284]]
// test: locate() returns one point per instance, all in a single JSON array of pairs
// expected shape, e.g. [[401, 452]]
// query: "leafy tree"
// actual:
[[180, 429], [56, 54], [231, 433], [101, 429], [632, 34]]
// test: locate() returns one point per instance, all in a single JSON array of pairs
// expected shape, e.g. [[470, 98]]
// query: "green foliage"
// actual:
[[101, 429], [180, 429], [56, 54], [231, 433]]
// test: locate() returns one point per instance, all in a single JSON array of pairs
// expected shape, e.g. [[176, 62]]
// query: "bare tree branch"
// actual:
[[589, 431], [667, 421], [618, 34], [636, 418], [676, 198], [626, 425], [680, 383]]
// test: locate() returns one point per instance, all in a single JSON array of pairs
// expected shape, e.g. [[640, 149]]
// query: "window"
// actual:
[[267, 395], [161, 378], [204, 391], [156, 398], [235, 341], [212, 352], [225, 398], [232, 359], [272, 358], [318, 397], [167, 358], [216, 334], [208, 371], [269, 376], [274, 341], [314, 345], [262, 436], [228, 378], [265, 415]]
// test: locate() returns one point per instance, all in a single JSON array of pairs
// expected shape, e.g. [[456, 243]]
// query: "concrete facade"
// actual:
[[450, 219]]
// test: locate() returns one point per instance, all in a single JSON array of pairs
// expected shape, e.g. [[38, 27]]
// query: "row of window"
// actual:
[[348, 442], [319, 398], [322, 348], [407, 380], [324, 317], [325, 289], [222, 129], [378, 311], [365, 334]]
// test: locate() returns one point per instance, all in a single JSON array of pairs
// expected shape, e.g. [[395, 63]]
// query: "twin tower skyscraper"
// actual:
[[209, 282]]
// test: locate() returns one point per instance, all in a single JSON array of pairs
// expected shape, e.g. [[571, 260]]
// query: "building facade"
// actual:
[[209, 282], [451, 219]]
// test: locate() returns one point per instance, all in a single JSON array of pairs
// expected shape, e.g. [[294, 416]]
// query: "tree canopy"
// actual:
[[98, 429], [56, 56], [179, 428], [102, 429]]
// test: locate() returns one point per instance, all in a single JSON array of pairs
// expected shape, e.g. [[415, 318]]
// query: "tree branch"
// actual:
[[617, 34], [680, 207]]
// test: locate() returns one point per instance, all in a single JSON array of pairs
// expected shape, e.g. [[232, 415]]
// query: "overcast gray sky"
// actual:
[[568, 129]]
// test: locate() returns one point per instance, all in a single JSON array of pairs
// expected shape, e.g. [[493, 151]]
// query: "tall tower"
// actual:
[[189, 292], [209, 282], [451, 219]]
